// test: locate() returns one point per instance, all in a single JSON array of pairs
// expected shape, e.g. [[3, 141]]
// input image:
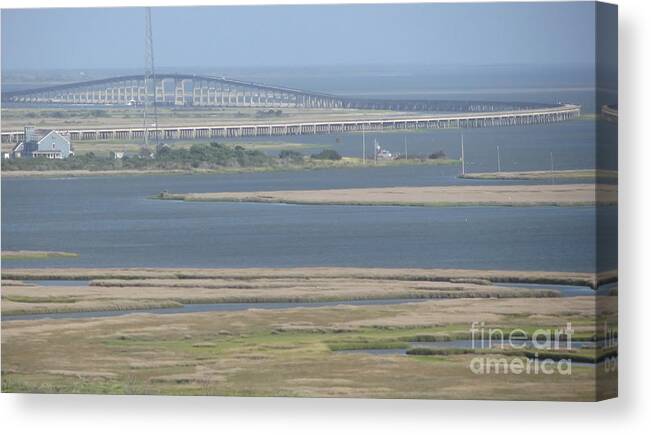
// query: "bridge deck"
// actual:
[[435, 121]]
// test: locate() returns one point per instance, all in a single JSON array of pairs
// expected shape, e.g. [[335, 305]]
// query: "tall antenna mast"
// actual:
[[150, 81]]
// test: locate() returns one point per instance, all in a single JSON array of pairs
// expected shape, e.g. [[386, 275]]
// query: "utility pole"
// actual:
[[551, 161], [463, 158], [499, 165], [375, 149], [150, 81]]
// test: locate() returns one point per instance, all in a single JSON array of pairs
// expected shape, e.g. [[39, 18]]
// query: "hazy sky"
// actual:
[[300, 35]]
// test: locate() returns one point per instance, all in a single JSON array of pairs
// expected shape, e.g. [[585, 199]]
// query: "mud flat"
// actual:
[[543, 175], [438, 196]]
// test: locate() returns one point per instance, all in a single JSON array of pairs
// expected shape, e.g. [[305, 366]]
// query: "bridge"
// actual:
[[468, 120], [214, 91]]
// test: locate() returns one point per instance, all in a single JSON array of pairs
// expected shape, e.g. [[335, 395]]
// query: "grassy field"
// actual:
[[439, 196], [292, 352]]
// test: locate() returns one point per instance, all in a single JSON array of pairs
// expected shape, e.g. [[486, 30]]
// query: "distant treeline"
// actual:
[[198, 156]]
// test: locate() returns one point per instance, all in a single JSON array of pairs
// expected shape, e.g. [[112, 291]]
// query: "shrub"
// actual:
[[327, 155], [290, 155], [437, 155]]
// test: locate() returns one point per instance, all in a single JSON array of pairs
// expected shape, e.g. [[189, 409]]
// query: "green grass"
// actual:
[[257, 357]]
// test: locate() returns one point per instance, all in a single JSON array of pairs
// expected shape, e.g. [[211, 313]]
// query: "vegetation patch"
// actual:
[[35, 255], [432, 196]]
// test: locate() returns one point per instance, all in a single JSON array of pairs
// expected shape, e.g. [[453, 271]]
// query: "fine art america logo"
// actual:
[[545, 351]]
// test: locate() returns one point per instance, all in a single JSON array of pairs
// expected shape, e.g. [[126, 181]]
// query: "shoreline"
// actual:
[[543, 175], [345, 163]]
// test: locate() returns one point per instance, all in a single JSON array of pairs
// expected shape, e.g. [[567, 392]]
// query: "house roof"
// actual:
[[53, 133]]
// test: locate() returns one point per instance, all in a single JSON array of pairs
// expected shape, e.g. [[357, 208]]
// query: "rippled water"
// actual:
[[110, 222]]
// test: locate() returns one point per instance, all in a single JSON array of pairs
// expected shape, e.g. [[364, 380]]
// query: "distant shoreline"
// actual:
[[35, 255], [543, 175], [346, 162]]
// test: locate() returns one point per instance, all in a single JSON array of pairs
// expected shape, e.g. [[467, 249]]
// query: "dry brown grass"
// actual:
[[436, 196], [26, 255], [129, 289], [308, 273], [125, 294]]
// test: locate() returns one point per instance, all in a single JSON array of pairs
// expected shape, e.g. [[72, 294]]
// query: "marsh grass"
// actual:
[[433, 196], [35, 255], [40, 299], [125, 289], [306, 274], [264, 356], [367, 345]]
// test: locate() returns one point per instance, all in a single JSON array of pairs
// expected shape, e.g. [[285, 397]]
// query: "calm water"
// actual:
[[523, 148], [110, 222]]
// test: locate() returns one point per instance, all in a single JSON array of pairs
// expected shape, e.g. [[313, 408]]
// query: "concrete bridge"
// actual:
[[174, 89], [213, 91], [459, 120], [197, 90]]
